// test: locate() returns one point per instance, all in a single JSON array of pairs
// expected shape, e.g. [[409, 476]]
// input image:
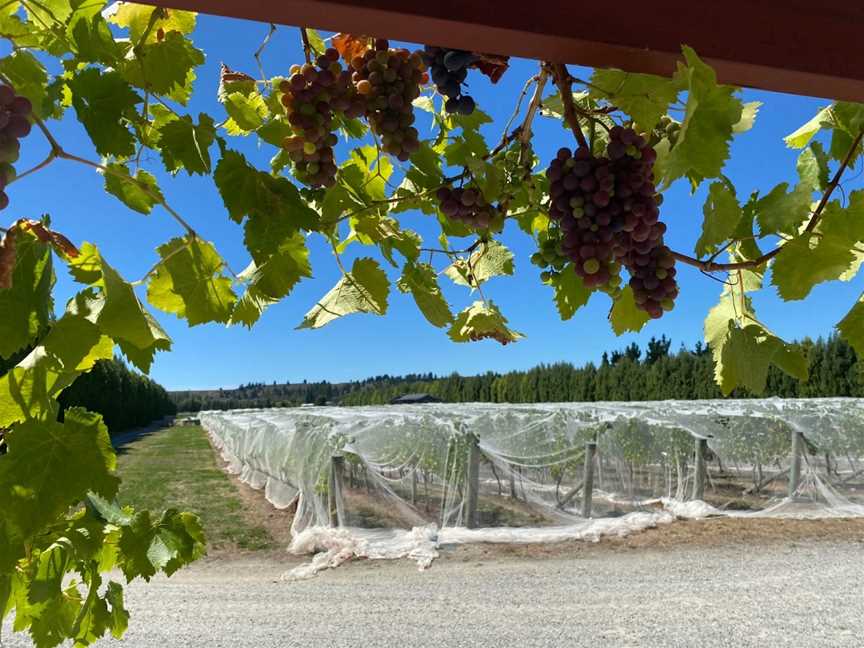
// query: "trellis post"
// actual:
[[795, 465], [472, 483], [414, 486], [336, 503], [700, 469], [588, 480]]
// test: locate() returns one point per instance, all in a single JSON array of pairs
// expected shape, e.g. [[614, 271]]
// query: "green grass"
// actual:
[[176, 467]]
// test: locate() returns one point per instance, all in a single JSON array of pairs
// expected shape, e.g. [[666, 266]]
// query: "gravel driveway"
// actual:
[[783, 595]]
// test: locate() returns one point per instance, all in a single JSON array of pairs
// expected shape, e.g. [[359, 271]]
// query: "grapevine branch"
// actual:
[[563, 80], [260, 51], [710, 266], [58, 151]]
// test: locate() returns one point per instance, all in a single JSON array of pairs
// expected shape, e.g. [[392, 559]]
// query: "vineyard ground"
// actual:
[[791, 593]]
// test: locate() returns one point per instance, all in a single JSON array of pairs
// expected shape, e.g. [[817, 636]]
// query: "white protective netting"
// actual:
[[408, 478]]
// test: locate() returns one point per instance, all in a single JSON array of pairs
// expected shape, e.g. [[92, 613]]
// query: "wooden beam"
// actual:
[[809, 48]]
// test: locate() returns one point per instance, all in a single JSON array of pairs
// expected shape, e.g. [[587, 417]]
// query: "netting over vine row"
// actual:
[[519, 473]]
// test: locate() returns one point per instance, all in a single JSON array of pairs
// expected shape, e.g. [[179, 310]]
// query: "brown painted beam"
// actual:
[[810, 48]]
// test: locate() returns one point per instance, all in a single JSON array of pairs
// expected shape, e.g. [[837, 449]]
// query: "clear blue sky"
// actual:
[[362, 345]]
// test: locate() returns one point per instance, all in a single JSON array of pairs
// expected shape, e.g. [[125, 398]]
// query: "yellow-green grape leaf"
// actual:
[[492, 259], [249, 192], [247, 112], [748, 117], [137, 17], [625, 316], [102, 101], [421, 281], [375, 170], [363, 290], [274, 276], [185, 145], [571, 294], [482, 321], [163, 67], [802, 136], [139, 192], [26, 306], [711, 113], [748, 352], [782, 212], [94, 41], [851, 327], [645, 97], [721, 213], [812, 167], [190, 282], [808, 260], [51, 466], [371, 228], [72, 346]]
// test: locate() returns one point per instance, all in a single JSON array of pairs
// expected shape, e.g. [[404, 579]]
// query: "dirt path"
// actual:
[[801, 594]]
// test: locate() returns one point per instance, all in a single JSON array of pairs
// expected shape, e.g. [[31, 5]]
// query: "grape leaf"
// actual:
[[711, 113], [273, 276], [481, 321], [722, 214], [570, 293], [363, 290], [802, 136], [812, 167], [54, 466], [148, 546], [189, 282], [747, 354], [350, 46], [136, 18], [374, 229], [492, 259], [783, 212], [247, 112], [27, 306], [184, 145], [247, 191], [117, 311], [851, 327], [102, 101], [163, 67], [421, 281], [94, 42], [748, 117], [645, 97], [139, 194], [624, 316], [807, 261]]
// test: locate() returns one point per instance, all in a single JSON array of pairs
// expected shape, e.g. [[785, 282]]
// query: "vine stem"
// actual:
[[710, 266], [307, 48], [565, 83], [533, 106], [57, 151], [260, 51]]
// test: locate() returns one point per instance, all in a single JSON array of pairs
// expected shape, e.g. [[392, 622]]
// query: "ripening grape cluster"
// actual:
[[7, 260], [312, 96], [448, 69], [15, 112], [607, 209], [468, 206], [389, 81]]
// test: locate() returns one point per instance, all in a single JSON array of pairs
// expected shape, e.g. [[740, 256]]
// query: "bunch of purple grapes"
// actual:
[[607, 209], [312, 96], [15, 112], [468, 206], [389, 81], [448, 69]]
